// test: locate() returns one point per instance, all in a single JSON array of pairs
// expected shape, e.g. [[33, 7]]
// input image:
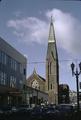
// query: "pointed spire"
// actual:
[[51, 37], [34, 71], [51, 19]]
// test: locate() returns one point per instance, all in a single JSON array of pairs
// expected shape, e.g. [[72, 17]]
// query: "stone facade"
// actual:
[[34, 96], [52, 70], [50, 85], [37, 85], [36, 81]]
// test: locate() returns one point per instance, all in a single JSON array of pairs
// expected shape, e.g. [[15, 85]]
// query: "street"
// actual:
[[41, 113]]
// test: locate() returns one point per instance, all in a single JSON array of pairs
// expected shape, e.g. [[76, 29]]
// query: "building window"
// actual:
[[51, 86], [13, 64], [24, 71], [35, 84], [12, 81], [50, 67], [21, 68], [2, 78], [3, 57], [0, 56], [21, 82]]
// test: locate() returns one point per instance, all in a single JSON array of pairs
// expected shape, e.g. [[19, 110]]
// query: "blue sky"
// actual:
[[25, 25]]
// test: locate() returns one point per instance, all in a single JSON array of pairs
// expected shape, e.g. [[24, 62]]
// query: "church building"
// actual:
[[52, 67], [36, 81], [51, 83]]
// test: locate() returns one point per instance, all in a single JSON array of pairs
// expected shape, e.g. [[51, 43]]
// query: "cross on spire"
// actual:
[[34, 71]]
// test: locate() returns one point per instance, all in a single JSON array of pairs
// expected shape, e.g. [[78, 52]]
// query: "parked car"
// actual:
[[65, 110]]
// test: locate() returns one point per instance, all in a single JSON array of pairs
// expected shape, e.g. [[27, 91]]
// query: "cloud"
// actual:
[[67, 30], [29, 29]]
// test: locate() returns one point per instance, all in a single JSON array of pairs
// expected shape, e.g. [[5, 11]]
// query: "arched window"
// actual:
[[50, 67], [51, 86]]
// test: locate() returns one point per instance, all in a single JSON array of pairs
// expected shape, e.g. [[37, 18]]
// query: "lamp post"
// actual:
[[76, 73]]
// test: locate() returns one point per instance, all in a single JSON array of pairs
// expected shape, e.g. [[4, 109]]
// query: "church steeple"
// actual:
[[51, 37], [34, 71], [52, 67]]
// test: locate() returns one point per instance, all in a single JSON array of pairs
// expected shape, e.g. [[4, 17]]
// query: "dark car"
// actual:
[[65, 110], [37, 113]]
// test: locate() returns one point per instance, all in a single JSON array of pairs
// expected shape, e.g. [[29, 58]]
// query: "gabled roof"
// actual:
[[35, 74], [41, 77]]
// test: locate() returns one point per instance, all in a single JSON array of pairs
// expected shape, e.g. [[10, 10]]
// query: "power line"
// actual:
[[36, 62], [61, 60]]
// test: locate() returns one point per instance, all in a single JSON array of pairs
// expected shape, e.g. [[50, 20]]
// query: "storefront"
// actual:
[[34, 97]]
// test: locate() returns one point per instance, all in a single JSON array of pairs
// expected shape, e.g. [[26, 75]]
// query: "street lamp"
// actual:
[[76, 73]]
